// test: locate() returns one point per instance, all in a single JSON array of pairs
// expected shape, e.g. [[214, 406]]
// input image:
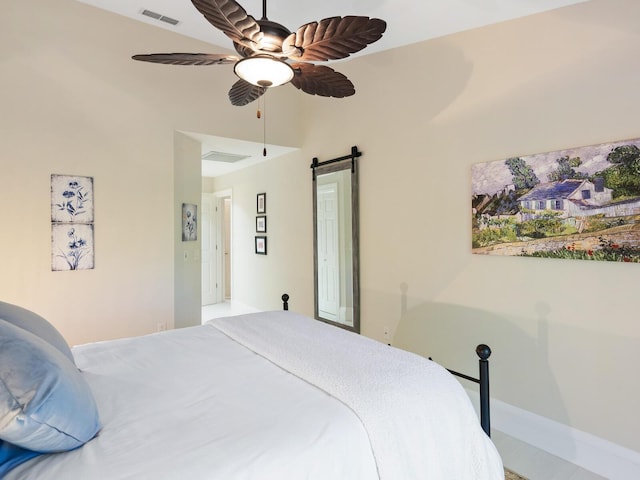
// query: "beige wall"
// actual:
[[73, 102], [188, 265], [259, 280], [564, 333]]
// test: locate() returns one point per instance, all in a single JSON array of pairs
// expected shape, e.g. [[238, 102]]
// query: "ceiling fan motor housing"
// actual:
[[273, 36]]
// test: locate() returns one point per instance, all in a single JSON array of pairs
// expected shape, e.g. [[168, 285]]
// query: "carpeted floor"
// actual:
[[509, 475]]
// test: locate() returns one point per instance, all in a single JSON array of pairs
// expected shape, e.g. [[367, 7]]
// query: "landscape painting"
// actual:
[[581, 203]]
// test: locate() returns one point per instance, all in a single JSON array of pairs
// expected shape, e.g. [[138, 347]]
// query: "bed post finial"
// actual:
[[483, 351], [285, 302]]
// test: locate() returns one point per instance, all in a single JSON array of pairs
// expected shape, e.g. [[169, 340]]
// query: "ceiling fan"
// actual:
[[271, 55]]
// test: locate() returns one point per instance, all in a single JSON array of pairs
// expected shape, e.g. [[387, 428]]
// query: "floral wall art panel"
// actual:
[[72, 223], [71, 199], [72, 245], [581, 203], [189, 222]]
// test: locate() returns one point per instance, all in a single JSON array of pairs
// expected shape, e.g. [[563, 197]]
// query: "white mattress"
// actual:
[[271, 395], [190, 404], [419, 420]]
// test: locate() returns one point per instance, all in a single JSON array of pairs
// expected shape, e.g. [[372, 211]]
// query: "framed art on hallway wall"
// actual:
[[261, 224], [261, 245], [261, 203], [189, 222]]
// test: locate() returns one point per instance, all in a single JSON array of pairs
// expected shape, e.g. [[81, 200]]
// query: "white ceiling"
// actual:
[[408, 21]]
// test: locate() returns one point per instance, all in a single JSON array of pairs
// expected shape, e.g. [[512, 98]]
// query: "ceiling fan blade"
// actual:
[[321, 80], [333, 38], [232, 19], [244, 92], [187, 58]]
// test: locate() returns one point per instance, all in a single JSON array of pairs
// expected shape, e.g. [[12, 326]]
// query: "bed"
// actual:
[[269, 395]]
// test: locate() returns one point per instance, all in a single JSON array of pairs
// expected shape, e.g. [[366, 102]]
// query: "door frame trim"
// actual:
[[220, 238]]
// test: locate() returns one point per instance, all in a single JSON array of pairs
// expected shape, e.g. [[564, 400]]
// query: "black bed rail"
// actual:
[[484, 352]]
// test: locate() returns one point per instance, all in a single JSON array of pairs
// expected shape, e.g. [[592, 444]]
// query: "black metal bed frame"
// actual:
[[484, 352]]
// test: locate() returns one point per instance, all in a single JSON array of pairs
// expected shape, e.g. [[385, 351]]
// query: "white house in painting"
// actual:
[[572, 197]]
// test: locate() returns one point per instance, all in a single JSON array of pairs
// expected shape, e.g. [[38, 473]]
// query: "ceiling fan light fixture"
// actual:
[[271, 55], [264, 71]]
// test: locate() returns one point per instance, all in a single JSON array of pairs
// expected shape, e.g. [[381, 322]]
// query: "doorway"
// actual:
[[216, 247]]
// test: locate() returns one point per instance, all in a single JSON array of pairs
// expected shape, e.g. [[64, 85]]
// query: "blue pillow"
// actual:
[[45, 403], [12, 456], [34, 323]]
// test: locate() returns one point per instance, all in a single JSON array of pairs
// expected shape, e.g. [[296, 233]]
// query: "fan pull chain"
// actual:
[[264, 125]]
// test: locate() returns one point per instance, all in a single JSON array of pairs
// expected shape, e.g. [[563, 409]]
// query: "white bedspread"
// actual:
[[420, 421], [191, 404]]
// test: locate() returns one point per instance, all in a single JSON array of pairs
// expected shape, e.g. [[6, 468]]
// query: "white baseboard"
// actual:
[[583, 449]]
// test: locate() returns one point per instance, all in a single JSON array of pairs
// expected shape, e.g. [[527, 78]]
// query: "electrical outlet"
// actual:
[[386, 333], [161, 327]]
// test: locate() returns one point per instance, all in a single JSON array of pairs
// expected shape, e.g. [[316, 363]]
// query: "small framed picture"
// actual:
[[189, 222], [261, 203], [261, 224], [261, 245]]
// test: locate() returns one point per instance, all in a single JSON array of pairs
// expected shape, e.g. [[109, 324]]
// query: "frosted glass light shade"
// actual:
[[264, 71]]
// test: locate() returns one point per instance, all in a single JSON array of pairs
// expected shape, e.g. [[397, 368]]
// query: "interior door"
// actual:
[[227, 248], [328, 251], [208, 245]]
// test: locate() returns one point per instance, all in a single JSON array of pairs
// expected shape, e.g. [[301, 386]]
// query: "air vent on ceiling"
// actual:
[[214, 156], [162, 18]]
